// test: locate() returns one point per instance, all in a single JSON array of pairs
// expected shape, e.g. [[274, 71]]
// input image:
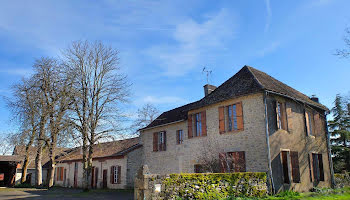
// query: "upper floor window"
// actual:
[[309, 124], [197, 125], [159, 141], [231, 118], [281, 116], [179, 137]]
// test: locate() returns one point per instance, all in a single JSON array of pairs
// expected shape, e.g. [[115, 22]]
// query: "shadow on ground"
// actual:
[[64, 194]]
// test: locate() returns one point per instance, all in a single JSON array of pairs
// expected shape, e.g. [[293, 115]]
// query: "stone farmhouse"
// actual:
[[250, 123], [114, 165], [258, 122]]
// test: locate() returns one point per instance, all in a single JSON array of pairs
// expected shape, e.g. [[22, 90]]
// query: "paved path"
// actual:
[[63, 194]]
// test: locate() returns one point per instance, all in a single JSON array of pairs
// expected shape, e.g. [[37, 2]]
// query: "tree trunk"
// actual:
[[38, 165], [85, 165], [24, 169], [51, 175]]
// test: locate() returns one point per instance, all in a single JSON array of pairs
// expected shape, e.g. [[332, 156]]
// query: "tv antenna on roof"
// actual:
[[208, 72]]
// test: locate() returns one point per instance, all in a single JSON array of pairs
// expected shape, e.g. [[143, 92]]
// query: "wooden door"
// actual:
[[104, 178], [93, 177], [76, 175], [64, 177]]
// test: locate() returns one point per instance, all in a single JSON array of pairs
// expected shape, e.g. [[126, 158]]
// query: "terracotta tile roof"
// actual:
[[247, 81], [103, 150], [14, 158], [21, 150]]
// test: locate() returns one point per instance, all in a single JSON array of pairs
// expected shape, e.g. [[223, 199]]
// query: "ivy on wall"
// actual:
[[214, 185]]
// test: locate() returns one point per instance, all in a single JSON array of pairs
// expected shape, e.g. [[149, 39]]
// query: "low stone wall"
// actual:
[[199, 186]]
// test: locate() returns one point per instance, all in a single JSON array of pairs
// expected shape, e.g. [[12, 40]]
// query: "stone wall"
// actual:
[[134, 162], [198, 186], [295, 139], [181, 158]]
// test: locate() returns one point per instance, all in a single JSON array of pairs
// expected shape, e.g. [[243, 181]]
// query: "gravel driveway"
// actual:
[[64, 194]]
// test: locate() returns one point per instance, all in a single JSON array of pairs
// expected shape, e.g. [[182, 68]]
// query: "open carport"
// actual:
[[8, 166]]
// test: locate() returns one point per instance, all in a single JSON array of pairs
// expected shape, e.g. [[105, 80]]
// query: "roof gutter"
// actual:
[[280, 94], [268, 144], [144, 129], [329, 152]]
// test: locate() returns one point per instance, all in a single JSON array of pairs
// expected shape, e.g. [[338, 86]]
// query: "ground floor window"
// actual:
[[116, 174], [290, 166], [198, 168], [316, 167], [233, 162], [59, 173]]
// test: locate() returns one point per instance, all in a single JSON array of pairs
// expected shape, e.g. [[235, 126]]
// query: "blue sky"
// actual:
[[165, 44]]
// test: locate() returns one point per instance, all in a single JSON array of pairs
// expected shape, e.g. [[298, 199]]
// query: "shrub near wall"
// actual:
[[342, 180], [214, 185]]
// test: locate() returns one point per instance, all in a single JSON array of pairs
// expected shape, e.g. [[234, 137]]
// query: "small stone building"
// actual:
[[250, 123], [114, 165]]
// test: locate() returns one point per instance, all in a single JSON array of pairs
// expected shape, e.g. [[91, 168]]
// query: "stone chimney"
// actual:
[[314, 98], [208, 89]]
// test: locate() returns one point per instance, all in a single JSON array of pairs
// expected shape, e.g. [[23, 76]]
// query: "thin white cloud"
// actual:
[[193, 42], [16, 72], [269, 48], [269, 15]]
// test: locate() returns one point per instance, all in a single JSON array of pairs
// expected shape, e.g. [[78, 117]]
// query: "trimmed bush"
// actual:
[[214, 185]]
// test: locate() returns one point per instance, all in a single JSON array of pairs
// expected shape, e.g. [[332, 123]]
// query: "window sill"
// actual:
[[231, 132], [198, 136]]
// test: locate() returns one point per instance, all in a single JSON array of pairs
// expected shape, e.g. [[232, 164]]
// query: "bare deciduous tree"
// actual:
[[55, 85], [345, 52], [23, 105], [8, 143], [145, 116], [99, 88]]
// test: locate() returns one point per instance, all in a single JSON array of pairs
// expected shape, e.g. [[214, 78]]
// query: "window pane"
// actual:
[[310, 124], [198, 124], [229, 118], [279, 115], [115, 174], [235, 127]]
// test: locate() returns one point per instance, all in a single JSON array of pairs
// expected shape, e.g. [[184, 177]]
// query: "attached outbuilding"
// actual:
[[114, 165]]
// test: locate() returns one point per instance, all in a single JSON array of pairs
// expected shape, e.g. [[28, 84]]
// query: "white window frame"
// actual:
[[115, 173]]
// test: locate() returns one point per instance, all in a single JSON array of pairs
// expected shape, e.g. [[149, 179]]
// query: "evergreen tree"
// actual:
[[339, 129]]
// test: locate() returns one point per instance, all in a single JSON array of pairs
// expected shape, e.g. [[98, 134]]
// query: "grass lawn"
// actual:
[[324, 194]]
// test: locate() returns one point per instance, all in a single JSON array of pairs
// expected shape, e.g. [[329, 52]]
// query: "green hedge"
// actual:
[[215, 185]]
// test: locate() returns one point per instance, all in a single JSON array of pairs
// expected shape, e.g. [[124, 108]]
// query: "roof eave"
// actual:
[[297, 99], [152, 127]]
